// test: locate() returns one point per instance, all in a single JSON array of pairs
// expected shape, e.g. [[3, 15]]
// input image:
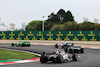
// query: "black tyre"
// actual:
[[70, 51], [74, 57], [12, 44], [59, 58], [81, 50], [66, 49], [25, 44], [43, 59], [76, 51], [56, 45]]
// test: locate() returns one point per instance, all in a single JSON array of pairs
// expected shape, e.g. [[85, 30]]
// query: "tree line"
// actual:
[[62, 21]]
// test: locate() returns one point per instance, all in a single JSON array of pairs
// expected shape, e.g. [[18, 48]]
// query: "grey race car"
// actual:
[[75, 49], [58, 57], [70, 48]]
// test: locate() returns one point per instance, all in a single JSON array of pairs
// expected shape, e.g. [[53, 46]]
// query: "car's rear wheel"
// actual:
[[74, 57], [70, 51], [56, 45], [43, 59], [59, 58], [66, 49], [81, 50], [12, 44]]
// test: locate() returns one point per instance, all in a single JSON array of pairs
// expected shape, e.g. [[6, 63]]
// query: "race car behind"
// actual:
[[70, 48], [21, 44], [58, 57], [62, 45], [75, 49]]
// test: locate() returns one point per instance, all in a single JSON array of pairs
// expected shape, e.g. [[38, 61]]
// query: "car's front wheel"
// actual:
[[43, 59], [59, 58], [70, 51], [66, 49], [12, 44]]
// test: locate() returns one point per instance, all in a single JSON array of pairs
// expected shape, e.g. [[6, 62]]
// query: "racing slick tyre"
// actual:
[[76, 51], [12, 44], [74, 57], [56, 45], [43, 59], [70, 51], [25, 44], [66, 49], [59, 58], [81, 50]]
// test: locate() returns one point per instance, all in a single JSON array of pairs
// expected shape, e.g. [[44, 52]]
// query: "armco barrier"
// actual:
[[51, 35]]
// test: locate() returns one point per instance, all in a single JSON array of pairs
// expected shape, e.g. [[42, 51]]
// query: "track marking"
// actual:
[[22, 61]]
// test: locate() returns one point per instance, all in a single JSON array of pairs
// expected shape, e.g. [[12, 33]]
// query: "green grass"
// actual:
[[8, 54]]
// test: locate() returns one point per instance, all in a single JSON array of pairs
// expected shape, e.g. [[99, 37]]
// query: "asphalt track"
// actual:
[[91, 57]]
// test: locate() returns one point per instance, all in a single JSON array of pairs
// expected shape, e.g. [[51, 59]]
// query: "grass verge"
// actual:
[[8, 54]]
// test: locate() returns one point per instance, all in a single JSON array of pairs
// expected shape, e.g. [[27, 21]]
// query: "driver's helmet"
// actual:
[[72, 44], [57, 52]]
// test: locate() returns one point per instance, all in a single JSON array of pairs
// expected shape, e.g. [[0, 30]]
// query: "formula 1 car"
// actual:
[[58, 57], [62, 45], [75, 49], [21, 44]]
